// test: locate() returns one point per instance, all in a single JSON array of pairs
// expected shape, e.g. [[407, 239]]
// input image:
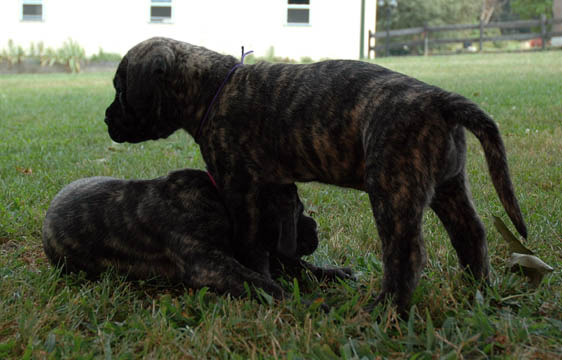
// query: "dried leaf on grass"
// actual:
[[115, 149], [530, 265], [24, 170], [515, 245], [522, 259]]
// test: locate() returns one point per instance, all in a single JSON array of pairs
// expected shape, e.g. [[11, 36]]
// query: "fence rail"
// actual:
[[426, 40]]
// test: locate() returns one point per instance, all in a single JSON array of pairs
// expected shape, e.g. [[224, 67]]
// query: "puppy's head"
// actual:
[[144, 108], [307, 235], [288, 230]]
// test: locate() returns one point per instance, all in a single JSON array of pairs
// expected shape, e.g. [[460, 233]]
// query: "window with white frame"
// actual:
[[298, 12], [161, 11], [32, 10]]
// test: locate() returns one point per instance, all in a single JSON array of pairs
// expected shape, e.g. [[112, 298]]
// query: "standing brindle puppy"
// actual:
[[347, 123], [174, 227]]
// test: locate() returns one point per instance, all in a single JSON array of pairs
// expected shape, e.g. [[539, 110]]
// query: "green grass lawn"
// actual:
[[52, 132]]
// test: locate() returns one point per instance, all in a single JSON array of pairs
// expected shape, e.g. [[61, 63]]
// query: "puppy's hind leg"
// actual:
[[398, 217], [453, 205]]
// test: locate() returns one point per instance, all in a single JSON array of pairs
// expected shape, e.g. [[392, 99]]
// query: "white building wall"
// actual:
[[221, 25]]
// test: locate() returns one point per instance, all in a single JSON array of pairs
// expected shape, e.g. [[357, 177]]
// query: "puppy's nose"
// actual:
[[106, 120]]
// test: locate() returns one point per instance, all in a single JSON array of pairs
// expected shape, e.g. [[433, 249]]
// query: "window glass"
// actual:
[[32, 10], [161, 11], [298, 12], [298, 16]]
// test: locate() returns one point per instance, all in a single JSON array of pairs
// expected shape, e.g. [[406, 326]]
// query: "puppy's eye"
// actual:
[[121, 95]]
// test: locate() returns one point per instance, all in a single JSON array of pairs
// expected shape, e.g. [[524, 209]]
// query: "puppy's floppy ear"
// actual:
[[150, 61], [145, 68], [159, 66], [162, 60]]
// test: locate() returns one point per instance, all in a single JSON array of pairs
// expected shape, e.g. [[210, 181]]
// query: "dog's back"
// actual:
[[136, 226], [69, 220]]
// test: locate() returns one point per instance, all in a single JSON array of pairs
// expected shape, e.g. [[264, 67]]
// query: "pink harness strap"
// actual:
[[212, 179]]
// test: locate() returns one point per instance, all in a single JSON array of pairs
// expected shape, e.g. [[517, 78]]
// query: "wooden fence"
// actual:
[[426, 40]]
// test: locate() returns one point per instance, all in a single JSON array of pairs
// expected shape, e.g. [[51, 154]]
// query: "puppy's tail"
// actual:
[[466, 113]]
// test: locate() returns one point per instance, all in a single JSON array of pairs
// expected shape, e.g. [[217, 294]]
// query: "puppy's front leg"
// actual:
[[245, 214], [224, 274], [294, 268]]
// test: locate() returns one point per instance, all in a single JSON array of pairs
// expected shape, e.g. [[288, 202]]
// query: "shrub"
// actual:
[[71, 55], [269, 57], [14, 54], [105, 56]]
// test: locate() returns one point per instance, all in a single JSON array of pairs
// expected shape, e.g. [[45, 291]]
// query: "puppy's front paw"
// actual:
[[334, 273], [257, 260]]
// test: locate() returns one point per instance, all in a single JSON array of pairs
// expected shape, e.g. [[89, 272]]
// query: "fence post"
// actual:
[[369, 45], [373, 41], [481, 38], [543, 31], [425, 40], [387, 42], [362, 34]]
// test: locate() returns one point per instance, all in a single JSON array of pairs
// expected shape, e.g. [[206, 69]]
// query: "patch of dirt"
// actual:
[[6, 244], [31, 253]]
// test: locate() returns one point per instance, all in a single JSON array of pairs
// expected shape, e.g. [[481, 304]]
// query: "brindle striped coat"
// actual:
[[173, 227], [347, 123]]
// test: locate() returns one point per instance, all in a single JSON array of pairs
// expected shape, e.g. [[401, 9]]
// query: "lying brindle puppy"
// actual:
[[174, 227], [347, 123]]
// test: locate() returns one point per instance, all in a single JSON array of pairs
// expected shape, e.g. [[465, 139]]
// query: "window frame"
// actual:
[[32, 18], [298, 7], [162, 4]]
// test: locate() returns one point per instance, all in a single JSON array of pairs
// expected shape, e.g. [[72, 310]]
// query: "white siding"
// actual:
[[221, 25]]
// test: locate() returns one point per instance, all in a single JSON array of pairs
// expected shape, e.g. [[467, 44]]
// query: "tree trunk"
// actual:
[[488, 8], [557, 14], [487, 11]]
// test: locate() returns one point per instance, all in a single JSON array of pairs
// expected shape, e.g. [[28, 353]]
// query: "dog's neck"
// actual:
[[203, 71]]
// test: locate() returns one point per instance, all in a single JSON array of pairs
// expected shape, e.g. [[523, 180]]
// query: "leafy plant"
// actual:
[[14, 54], [269, 57], [105, 56], [49, 58], [36, 51], [532, 9], [71, 55]]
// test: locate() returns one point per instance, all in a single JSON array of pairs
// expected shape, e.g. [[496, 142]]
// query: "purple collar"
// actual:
[[220, 89]]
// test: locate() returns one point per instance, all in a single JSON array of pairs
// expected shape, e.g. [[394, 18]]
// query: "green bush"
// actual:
[[36, 51], [269, 57], [71, 54], [14, 54], [104, 56]]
